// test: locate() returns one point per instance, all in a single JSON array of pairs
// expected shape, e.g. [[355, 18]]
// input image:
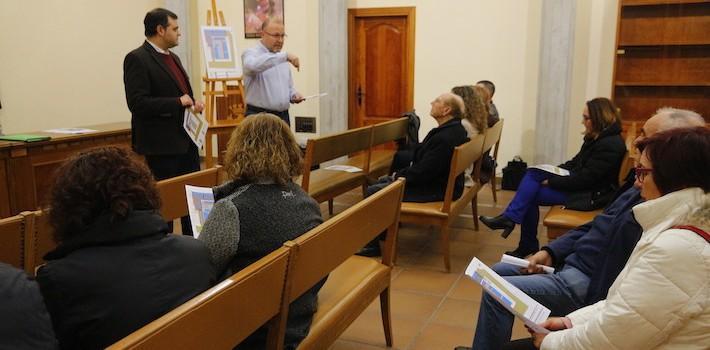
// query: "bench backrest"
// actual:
[[224, 315], [321, 250], [464, 155], [631, 153], [12, 241], [323, 149], [172, 191], [389, 131], [493, 135]]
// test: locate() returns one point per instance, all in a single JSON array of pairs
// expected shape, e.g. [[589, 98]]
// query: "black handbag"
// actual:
[[513, 173], [590, 200]]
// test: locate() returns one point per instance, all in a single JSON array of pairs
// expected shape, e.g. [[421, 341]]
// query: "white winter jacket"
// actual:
[[661, 299]]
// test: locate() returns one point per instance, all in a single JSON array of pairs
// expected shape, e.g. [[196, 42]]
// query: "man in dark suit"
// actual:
[[158, 91]]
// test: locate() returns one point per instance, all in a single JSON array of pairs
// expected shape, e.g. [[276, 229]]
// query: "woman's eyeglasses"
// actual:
[[641, 172]]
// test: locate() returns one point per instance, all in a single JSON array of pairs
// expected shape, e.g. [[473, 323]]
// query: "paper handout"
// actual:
[[199, 204], [195, 126], [552, 169], [316, 95], [346, 168], [71, 131], [515, 261], [520, 304]]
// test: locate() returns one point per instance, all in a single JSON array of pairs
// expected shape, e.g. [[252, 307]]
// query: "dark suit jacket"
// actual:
[[153, 96], [429, 173]]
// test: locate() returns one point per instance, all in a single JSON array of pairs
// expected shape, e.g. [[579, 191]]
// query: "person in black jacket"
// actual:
[[24, 321], [116, 267], [157, 92], [593, 175]]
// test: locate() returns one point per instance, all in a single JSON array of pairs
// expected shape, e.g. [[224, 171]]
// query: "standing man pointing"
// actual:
[[267, 76], [158, 91]]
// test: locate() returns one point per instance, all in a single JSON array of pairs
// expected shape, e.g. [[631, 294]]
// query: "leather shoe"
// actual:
[[522, 252], [497, 223], [371, 250]]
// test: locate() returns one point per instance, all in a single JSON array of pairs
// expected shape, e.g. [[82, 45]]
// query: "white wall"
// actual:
[[61, 61], [65, 67]]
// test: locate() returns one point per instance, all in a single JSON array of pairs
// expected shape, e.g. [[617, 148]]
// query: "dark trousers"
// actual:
[[172, 165], [254, 110]]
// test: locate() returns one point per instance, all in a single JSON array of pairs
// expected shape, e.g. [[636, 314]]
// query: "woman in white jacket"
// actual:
[[661, 300]]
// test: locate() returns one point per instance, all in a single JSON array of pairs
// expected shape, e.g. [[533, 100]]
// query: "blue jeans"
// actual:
[[523, 209], [561, 292]]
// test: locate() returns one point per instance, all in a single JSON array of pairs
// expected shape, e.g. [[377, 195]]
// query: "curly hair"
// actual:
[[474, 99], [603, 113], [263, 147], [107, 180]]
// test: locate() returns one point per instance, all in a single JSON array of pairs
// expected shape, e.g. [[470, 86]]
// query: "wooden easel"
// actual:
[[233, 96]]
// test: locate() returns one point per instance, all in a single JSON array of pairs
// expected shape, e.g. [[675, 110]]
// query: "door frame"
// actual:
[[410, 14]]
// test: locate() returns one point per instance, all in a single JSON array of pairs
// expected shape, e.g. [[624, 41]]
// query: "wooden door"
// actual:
[[381, 64]]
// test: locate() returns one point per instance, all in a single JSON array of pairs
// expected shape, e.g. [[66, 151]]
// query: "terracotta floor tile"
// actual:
[[466, 289], [454, 312], [409, 305], [424, 281], [367, 329], [442, 337], [351, 345]]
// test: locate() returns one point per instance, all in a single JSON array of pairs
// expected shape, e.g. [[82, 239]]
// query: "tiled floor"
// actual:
[[432, 309]]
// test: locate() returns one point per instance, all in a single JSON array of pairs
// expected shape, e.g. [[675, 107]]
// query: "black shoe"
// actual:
[[497, 223], [522, 252], [371, 250]]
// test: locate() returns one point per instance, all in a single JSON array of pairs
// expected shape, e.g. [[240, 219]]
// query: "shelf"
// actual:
[[625, 3], [687, 24], [663, 84]]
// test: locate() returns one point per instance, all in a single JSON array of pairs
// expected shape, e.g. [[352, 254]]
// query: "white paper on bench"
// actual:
[[552, 169], [515, 261], [346, 168], [520, 304], [199, 204]]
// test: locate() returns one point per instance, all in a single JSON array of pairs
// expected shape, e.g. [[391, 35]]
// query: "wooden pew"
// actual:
[[443, 213], [382, 134], [40, 238], [559, 220], [13, 248], [172, 191], [353, 281], [224, 315], [492, 139], [324, 185]]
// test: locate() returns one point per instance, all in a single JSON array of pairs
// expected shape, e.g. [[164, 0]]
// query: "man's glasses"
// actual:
[[276, 35], [641, 172]]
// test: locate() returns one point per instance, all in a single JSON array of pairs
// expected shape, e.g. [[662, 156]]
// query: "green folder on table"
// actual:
[[24, 137]]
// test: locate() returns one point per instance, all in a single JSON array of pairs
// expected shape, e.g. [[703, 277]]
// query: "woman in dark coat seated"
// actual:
[[259, 209], [592, 180], [116, 267]]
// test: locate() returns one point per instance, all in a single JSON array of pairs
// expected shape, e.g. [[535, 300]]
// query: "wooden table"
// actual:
[[26, 168]]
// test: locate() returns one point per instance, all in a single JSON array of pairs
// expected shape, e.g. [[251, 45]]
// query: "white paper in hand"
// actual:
[[552, 169], [513, 299], [515, 261], [199, 204], [195, 126]]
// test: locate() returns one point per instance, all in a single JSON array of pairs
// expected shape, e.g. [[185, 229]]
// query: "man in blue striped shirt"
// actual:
[[267, 76]]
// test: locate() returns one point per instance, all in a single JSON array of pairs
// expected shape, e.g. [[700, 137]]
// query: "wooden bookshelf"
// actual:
[[662, 57]]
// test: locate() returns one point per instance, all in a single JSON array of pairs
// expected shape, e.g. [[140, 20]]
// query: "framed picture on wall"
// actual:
[[257, 11]]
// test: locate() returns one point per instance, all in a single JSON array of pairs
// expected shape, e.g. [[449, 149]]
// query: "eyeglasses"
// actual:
[[641, 172], [277, 35]]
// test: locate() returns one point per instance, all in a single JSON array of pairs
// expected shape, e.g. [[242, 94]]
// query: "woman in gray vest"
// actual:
[[260, 208]]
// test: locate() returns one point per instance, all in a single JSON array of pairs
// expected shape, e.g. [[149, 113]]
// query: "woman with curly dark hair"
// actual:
[[260, 208], [116, 267]]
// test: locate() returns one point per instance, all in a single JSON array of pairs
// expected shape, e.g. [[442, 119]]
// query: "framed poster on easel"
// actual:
[[221, 54]]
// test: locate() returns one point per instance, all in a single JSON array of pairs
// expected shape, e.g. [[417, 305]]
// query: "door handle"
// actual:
[[359, 94]]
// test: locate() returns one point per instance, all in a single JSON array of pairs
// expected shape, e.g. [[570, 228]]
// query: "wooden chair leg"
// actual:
[[494, 188], [364, 190], [386, 318], [445, 247], [474, 211], [330, 207]]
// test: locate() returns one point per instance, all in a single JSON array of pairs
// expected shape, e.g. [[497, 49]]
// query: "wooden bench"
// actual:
[[494, 180], [380, 157], [172, 191], [443, 213], [492, 139], [13, 246], [323, 184], [224, 315], [559, 220], [353, 281]]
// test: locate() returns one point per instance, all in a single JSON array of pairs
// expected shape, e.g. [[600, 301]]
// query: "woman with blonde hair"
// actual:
[[475, 116], [260, 208]]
